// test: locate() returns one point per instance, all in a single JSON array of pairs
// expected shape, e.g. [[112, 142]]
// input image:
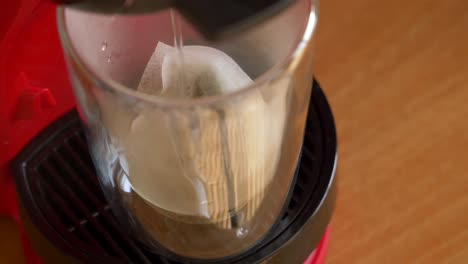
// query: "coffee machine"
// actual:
[[48, 182]]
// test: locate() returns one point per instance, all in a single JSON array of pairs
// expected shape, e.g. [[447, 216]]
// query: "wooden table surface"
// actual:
[[396, 74]]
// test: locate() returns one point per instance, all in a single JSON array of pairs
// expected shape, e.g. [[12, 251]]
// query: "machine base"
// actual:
[[74, 224]]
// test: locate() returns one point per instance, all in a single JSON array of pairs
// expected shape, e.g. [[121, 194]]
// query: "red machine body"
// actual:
[[34, 88], [35, 91]]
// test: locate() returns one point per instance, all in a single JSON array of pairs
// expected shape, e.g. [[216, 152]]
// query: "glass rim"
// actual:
[[281, 68]]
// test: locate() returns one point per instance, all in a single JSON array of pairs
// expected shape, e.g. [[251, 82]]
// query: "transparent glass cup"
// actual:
[[202, 167]]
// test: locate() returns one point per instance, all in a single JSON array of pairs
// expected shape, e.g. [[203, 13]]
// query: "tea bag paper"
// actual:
[[209, 70], [205, 161]]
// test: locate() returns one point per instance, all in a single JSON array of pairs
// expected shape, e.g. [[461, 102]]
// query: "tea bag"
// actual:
[[197, 71], [211, 162]]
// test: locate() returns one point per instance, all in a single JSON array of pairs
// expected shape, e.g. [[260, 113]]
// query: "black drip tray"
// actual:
[[59, 190]]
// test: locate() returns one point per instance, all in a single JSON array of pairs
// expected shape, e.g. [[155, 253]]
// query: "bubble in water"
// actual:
[[104, 46], [109, 59], [242, 232]]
